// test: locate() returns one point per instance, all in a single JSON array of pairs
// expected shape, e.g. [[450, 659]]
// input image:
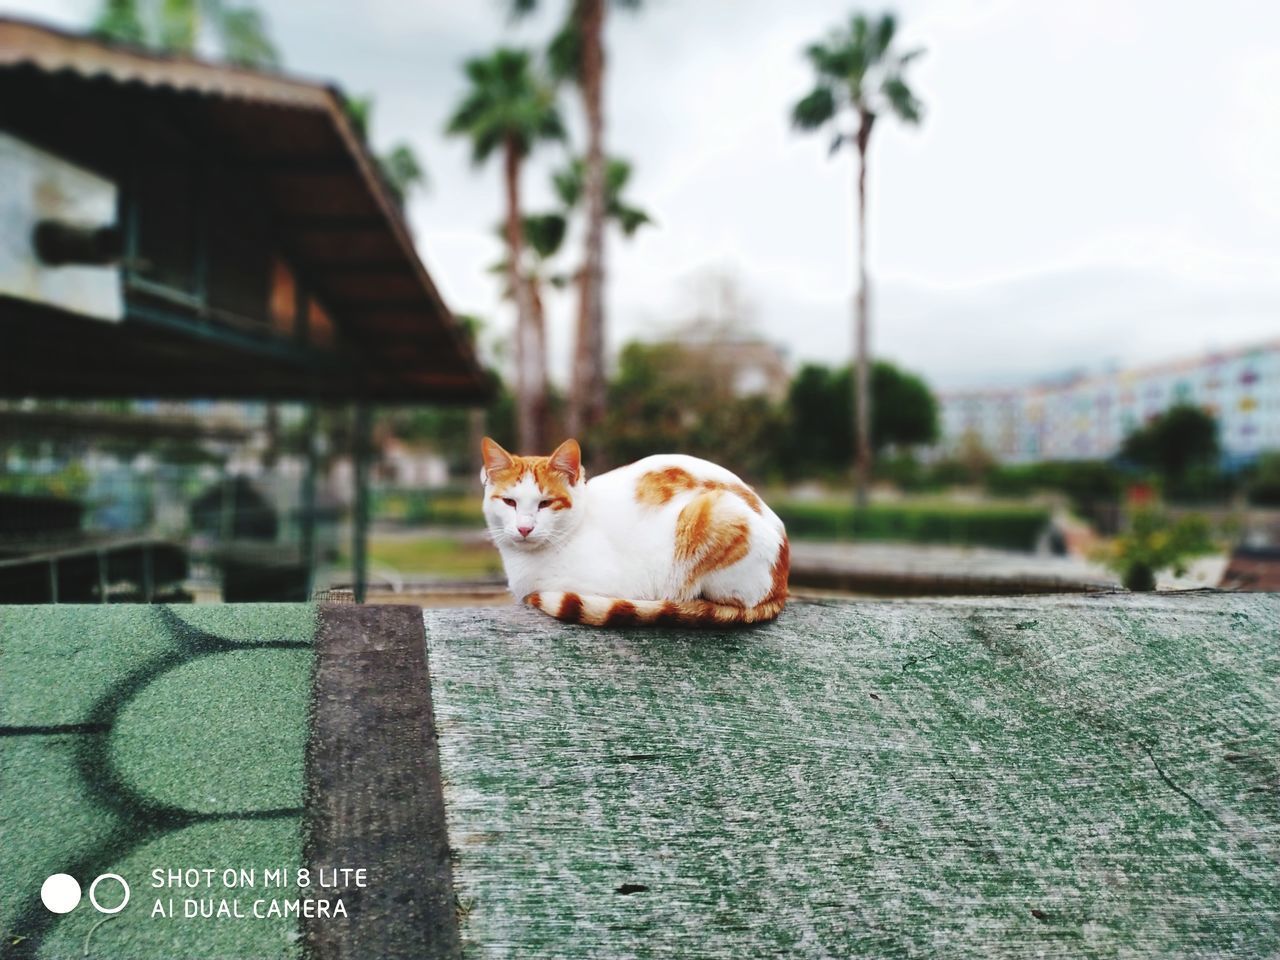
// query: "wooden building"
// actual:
[[179, 229]]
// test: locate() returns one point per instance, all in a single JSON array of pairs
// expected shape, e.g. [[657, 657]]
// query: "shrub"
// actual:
[[1153, 543], [1084, 481], [1264, 488], [1014, 528]]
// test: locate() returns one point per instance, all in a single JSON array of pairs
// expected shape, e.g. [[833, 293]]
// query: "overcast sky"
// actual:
[[1094, 183]]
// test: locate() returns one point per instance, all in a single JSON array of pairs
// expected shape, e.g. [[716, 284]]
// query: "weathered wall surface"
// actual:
[[1052, 776]]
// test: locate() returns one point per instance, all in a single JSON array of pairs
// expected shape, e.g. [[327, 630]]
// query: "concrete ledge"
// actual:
[[1040, 776], [904, 570]]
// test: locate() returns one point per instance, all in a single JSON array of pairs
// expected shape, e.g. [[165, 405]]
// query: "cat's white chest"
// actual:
[[589, 562]]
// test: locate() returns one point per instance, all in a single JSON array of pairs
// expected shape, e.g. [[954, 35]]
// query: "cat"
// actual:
[[669, 539]]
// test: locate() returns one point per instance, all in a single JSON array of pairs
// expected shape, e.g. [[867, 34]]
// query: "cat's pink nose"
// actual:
[[525, 531]]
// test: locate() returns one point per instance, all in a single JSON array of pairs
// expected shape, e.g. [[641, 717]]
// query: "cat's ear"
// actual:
[[568, 460], [495, 458]]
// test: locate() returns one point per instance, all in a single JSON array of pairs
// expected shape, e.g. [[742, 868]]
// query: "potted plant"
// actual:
[[1154, 542]]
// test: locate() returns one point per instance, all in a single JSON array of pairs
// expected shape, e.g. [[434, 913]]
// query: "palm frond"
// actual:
[[814, 109], [857, 66], [564, 52], [245, 39], [901, 99], [545, 233], [630, 219], [506, 103], [567, 183], [859, 30], [882, 36], [178, 26], [359, 111], [617, 173], [402, 170], [119, 20]]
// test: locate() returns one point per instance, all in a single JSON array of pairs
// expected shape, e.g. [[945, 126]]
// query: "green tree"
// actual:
[[859, 73], [904, 413], [665, 398], [1173, 443], [1264, 484], [177, 26], [508, 108], [577, 55], [399, 166], [455, 432], [118, 20]]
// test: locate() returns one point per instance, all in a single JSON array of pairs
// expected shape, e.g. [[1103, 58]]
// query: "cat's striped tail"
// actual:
[[596, 611]]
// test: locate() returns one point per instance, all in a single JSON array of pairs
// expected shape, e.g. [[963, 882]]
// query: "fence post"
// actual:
[[309, 497], [360, 521]]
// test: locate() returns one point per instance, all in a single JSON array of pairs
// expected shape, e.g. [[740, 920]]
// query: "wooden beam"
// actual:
[[362, 268], [335, 223]]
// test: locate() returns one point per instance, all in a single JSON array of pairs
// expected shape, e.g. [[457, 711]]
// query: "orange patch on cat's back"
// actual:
[[709, 538], [781, 572], [659, 487]]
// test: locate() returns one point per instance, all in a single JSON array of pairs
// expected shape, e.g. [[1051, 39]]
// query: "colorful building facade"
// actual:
[[1088, 417]]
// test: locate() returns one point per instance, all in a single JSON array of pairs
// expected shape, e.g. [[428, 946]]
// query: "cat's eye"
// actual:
[[544, 504], [509, 502]]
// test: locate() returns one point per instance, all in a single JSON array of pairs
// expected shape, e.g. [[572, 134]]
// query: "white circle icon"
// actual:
[[94, 887], [60, 893]]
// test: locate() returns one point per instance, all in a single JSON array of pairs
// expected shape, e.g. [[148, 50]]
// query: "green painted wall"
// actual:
[[1062, 777]]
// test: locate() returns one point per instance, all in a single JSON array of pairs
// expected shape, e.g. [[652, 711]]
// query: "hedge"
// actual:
[[1009, 527]]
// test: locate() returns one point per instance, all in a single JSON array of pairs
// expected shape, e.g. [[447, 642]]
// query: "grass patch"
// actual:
[[444, 557], [428, 508]]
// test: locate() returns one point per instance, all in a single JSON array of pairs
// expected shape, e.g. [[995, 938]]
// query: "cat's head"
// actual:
[[529, 501]]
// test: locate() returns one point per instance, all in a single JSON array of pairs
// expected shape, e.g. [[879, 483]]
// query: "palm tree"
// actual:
[[577, 54], [178, 25], [544, 235], [570, 187], [569, 184], [859, 72], [508, 108]]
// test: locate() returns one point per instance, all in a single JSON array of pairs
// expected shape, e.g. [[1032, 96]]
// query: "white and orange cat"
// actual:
[[667, 539]]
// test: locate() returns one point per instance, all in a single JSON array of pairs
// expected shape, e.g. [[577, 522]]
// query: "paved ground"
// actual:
[[136, 737]]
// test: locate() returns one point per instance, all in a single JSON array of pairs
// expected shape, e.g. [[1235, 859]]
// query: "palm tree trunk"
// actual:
[[542, 407], [862, 373], [588, 404], [531, 354]]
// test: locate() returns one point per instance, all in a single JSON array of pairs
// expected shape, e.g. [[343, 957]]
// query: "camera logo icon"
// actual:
[[60, 893]]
